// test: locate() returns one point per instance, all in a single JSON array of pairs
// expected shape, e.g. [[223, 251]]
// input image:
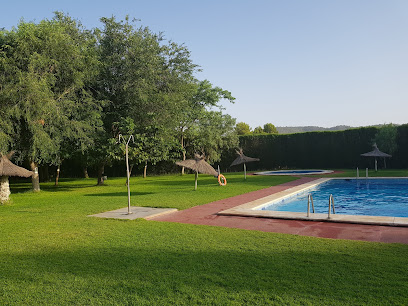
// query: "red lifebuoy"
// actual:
[[222, 180]]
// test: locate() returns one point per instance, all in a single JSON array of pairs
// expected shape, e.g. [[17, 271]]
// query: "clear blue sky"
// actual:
[[288, 62]]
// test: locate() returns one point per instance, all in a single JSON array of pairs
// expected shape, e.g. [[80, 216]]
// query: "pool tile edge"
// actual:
[[249, 209]]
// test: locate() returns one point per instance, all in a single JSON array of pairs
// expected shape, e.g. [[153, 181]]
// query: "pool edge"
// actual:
[[249, 209]]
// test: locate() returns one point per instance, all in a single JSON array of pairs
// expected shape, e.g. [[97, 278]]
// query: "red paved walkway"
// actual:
[[207, 215]]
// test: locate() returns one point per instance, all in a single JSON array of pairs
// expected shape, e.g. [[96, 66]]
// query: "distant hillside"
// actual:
[[301, 129]]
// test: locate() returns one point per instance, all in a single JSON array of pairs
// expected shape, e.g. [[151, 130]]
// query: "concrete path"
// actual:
[[136, 212], [207, 215]]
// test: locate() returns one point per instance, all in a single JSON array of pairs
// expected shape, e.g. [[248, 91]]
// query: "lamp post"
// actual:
[[127, 166]]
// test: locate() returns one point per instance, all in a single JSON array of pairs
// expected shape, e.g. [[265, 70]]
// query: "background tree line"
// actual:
[[243, 128], [67, 92]]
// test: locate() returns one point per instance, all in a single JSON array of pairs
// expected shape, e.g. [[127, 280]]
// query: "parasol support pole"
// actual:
[[366, 172], [358, 173], [196, 178], [376, 164], [244, 171]]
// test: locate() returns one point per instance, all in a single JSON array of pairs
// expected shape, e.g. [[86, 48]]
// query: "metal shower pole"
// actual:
[[127, 166]]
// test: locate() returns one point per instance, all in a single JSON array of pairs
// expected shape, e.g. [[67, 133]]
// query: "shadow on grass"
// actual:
[[59, 188], [208, 180], [210, 276], [185, 181], [49, 186], [65, 184], [117, 194]]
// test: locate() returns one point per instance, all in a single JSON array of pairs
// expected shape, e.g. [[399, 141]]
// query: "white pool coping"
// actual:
[[251, 209], [282, 172]]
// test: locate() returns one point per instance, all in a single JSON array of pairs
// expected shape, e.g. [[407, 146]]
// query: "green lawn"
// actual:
[[52, 253]]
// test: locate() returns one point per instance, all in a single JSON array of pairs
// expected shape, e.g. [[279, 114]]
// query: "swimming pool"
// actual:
[[294, 172], [368, 197]]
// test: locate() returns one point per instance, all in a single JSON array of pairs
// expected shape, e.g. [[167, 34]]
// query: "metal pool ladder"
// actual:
[[331, 206], [310, 201]]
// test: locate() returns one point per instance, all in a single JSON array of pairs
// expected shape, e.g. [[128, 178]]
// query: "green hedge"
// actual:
[[331, 149], [400, 158]]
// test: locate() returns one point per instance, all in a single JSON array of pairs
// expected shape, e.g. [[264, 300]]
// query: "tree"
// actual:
[[270, 128], [242, 128], [258, 130], [67, 92], [197, 121], [6, 68], [145, 81], [48, 65], [215, 134], [150, 146]]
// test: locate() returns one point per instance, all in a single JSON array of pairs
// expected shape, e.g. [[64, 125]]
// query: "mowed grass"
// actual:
[[52, 253]]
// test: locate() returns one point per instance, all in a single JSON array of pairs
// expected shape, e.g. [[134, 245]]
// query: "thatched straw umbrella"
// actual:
[[376, 153], [199, 165], [7, 168], [242, 159]]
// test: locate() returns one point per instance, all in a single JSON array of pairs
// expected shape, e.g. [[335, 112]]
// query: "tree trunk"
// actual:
[[86, 172], [58, 174], [184, 158], [35, 178], [145, 170], [4, 189], [195, 183], [184, 153], [101, 169]]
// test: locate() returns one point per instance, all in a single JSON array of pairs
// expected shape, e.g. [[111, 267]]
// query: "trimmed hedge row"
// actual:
[[400, 158], [328, 149]]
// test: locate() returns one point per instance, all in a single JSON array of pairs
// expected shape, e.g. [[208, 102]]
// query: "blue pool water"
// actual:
[[370, 197]]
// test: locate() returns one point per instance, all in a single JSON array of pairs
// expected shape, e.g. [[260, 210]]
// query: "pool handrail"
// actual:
[[310, 200], [331, 205]]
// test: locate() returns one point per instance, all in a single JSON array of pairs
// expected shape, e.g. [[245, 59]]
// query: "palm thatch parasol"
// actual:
[[199, 165], [376, 153], [7, 168], [242, 159]]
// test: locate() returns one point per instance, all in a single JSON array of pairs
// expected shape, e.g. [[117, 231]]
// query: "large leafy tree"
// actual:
[[145, 80], [200, 128], [66, 92], [270, 128], [215, 134], [48, 67], [242, 128], [258, 130]]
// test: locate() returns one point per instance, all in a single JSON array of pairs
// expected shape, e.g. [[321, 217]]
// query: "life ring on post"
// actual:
[[222, 180]]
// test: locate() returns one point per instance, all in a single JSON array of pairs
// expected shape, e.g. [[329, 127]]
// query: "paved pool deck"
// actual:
[[208, 215]]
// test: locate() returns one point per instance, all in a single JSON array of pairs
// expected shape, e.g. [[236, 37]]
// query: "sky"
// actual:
[[287, 62]]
